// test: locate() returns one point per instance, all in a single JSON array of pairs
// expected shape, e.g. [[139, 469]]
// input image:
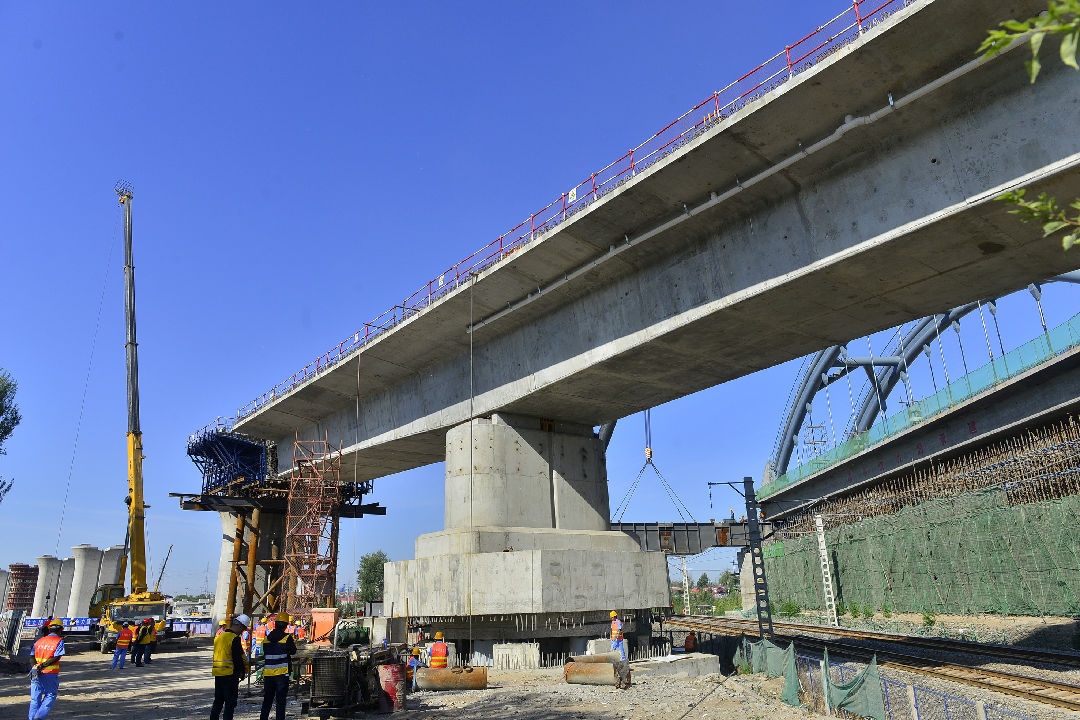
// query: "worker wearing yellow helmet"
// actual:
[[45, 673], [410, 669], [277, 650], [617, 634], [438, 652]]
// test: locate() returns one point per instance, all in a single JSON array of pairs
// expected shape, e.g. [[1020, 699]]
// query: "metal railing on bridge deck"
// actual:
[[714, 110], [1031, 354]]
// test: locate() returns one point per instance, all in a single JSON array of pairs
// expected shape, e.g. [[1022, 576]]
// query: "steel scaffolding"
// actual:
[[311, 526]]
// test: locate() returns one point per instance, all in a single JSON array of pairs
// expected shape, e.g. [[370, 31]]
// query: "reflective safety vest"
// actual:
[[223, 661], [219, 631], [45, 649], [145, 635], [275, 658], [245, 642], [153, 632], [438, 654], [260, 634], [124, 638], [689, 644], [410, 667], [616, 629], [301, 633]]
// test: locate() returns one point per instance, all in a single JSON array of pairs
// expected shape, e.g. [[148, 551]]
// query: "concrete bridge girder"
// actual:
[[892, 220]]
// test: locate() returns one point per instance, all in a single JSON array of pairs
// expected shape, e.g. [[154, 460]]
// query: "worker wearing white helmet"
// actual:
[[230, 666]]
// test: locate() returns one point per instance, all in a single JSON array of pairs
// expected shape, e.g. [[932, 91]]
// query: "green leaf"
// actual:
[[1068, 50], [1068, 241], [1053, 226], [1015, 25], [1033, 65]]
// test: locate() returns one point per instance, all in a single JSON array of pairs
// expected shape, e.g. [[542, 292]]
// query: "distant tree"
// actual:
[[369, 576], [9, 418], [1062, 18], [729, 580], [703, 581]]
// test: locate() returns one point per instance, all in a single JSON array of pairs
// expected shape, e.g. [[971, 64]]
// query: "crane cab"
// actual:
[[102, 597]]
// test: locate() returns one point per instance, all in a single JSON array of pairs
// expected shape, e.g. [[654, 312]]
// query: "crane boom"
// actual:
[[134, 499]]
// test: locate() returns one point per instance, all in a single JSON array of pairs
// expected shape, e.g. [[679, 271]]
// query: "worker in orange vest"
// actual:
[[221, 628], [438, 652], [410, 669], [45, 674], [617, 634], [260, 635], [123, 642], [690, 644]]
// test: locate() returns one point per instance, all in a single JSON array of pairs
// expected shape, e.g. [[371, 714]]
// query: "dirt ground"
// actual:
[[178, 686]]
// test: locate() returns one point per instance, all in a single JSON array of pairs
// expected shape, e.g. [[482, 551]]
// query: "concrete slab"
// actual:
[[689, 665]]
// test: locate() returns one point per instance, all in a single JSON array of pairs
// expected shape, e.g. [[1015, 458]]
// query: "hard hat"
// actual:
[[439, 635], [223, 623], [416, 652], [282, 617], [56, 622], [614, 614], [242, 620]]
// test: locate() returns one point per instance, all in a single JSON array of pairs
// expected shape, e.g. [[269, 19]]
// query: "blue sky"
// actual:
[[298, 169]]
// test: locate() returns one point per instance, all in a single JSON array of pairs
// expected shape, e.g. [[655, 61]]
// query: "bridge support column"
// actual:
[[527, 539], [271, 535]]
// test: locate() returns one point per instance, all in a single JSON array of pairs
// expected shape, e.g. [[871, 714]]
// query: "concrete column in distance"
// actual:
[[109, 572], [746, 582], [48, 573], [5, 583], [221, 593], [87, 567], [59, 604]]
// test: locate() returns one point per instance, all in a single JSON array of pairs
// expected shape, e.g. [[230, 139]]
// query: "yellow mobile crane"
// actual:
[[109, 604]]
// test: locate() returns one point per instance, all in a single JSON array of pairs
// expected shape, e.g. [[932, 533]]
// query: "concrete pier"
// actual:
[[109, 573], [271, 536], [5, 584], [48, 574], [83, 584], [538, 544], [59, 604]]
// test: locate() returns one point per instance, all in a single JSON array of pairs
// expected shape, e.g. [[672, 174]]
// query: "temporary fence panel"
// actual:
[[860, 693], [765, 657]]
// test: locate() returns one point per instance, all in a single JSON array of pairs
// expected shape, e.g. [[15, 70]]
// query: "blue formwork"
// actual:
[[228, 461]]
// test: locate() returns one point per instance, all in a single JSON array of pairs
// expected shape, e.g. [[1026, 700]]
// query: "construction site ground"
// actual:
[[178, 686]]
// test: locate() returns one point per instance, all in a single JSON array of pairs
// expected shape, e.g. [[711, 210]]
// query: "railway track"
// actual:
[[1045, 691]]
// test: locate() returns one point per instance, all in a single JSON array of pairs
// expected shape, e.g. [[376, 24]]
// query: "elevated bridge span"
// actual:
[[856, 195]]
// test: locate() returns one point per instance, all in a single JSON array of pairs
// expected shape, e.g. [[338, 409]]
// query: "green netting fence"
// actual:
[[1031, 354], [968, 553]]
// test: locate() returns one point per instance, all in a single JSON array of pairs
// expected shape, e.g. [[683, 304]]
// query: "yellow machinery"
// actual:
[[109, 604]]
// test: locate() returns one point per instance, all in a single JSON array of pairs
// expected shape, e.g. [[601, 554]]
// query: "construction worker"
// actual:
[[277, 648], [140, 643], [410, 669], [260, 635], [690, 644], [45, 674], [230, 666], [438, 652], [245, 642], [151, 639], [617, 634], [158, 627], [123, 642], [222, 627]]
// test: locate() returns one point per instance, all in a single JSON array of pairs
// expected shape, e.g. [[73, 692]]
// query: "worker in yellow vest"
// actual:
[[277, 649], [230, 666], [45, 674], [438, 652], [617, 634], [222, 627]]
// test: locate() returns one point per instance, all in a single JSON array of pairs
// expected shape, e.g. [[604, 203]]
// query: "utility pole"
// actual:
[[685, 589]]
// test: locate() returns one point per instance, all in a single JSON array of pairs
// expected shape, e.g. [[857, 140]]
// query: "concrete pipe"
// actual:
[[109, 574], [87, 567], [590, 673], [471, 678], [612, 658], [63, 588], [48, 574]]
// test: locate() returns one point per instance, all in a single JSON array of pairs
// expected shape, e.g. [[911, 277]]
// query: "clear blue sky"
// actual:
[[298, 169]]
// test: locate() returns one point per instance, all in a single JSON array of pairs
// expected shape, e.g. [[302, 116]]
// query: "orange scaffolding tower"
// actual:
[[311, 526]]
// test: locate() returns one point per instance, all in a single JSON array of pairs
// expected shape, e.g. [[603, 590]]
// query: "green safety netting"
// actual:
[[765, 657], [859, 696], [968, 553], [1030, 354]]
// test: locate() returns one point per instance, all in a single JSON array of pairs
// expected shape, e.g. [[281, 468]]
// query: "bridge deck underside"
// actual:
[[894, 220]]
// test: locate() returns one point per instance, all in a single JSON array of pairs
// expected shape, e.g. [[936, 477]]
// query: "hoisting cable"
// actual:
[[620, 510], [86, 384]]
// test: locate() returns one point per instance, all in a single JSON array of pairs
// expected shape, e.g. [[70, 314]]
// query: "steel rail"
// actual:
[[1039, 690]]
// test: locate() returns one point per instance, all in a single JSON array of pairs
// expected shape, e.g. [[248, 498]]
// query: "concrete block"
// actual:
[[690, 665], [516, 656], [598, 646]]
